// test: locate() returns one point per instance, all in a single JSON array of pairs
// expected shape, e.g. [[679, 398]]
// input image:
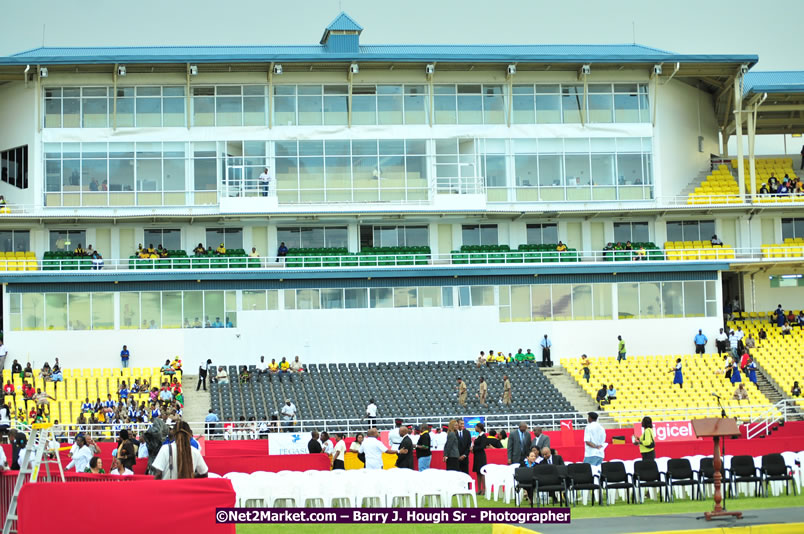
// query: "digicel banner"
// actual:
[[670, 431]]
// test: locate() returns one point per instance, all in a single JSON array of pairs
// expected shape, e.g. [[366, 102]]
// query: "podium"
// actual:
[[717, 429]]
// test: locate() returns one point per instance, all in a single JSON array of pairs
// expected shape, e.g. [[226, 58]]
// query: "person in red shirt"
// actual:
[[27, 391], [744, 361], [8, 389]]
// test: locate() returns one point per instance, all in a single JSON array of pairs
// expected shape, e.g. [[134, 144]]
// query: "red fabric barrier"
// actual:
[[248, 464], [188, 506], [245, 447]]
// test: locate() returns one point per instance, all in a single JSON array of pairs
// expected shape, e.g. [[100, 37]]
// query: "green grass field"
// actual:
[[579, 512]]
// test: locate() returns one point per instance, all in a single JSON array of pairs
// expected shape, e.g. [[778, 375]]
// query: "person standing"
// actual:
[[594, 438], [451, 447], [404, 454], [338, 452], [124, 354], [678, 377], [314, 445], [506, 396], [802, 158], [461, 393], [700, 342], [482, 391], [464, 446], [265, 182], [585, 363], [519, 444], [620, 349], [179, 459], [371, 413], [479, 451], [423, 453], [395, 435], [203, 370], [542, 439], [721, 340], [647, 441], [546, 344], [751, 370], [288, 415]]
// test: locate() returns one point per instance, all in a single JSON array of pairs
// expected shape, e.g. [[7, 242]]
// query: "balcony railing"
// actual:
[[766, 253]]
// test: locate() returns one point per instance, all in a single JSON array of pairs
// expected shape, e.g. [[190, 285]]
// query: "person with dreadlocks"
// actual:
[[179, 459]]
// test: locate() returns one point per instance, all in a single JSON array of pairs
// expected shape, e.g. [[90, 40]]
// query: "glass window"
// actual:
[[601, 104], [67, 240], [79, 311], [381, 297], [284, 105], [582, 302], [416, 104], [482, 295], [356, 297], [335, 104], [541, 302], [56, 311], [636, 232], [447, 297], [650, 304], [464, 296], [15, 241], [694, 299], [193, 309], [33, 308], [253, 300], [390, 107], [232, 238], [168, 238], [542, 234], [364, 105], [404, 297], [626, 103], [602, 301], [308, 299], [629, 169], [273, 299], [484, 234], [520, 303], [213, 307], [562, 302], [672, 299], [628, 301], [102, 311], [290, 299], [129, 310], [429, 297], [523, 105], [331, 299], [494, 109], [171, 309], [551, 170], [572, 103], [445, 104], [151, 305]]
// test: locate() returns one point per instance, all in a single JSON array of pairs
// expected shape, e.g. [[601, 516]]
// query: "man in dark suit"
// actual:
[[519, 444], [404, 458], [314, 446], [541, 440], [547, 457], [464, 446]]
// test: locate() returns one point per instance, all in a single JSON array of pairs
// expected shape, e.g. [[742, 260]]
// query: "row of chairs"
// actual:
[[647, 475]]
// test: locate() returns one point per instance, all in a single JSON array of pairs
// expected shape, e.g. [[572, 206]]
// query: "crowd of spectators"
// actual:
[[784, 187]]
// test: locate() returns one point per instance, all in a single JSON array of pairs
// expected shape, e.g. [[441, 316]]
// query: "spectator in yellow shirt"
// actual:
[[284, 365], [221, 250], [500, 358], [273, 366], [561, 247]]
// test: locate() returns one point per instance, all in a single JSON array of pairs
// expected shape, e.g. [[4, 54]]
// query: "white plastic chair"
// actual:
[[284, 489], [400, 484], [239, 484], [460, 485], [430, 488], [495, 479]]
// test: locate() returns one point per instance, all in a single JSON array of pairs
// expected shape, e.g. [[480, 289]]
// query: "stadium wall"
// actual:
[[368, 335], [18, 120]]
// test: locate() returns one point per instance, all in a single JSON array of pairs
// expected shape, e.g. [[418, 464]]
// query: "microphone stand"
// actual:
[[722, 444]]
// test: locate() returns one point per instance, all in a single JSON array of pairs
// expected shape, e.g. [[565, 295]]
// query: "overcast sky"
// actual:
[[685, 26]]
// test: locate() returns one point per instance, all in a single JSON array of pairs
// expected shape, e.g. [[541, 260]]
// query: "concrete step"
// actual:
[[574, 393], [196, 403]]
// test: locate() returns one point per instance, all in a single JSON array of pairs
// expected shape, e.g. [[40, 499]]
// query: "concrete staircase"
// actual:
[[196, 403], [774, 393], [574, 393]]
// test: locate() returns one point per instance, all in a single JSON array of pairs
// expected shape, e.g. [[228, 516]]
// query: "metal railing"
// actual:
[[766, 253], [765, 414]]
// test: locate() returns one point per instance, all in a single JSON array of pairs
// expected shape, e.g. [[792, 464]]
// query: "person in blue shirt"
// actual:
[[217, 323], [210, 420], [752, 371], [124, 354], [86, 406], [678, 378], [281, 252], [123, 392], [546, 345], [700, 343], [229, 323]]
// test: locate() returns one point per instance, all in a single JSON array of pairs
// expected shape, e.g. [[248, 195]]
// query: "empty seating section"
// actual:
[[780, 357], [644, 381], [791, 248], [544, 253], [367, 257], [719, 187], [80, 384], [65, 261], [18, 261], [406, 389], [697, 250]]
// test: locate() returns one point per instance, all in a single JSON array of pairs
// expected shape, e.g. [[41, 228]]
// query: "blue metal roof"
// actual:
[[790, 81], [570, 53]]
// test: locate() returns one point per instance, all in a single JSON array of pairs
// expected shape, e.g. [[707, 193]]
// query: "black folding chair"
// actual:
[[613, 476], [706, 475], [743, 470], [523, 476], [546, 479], [647, 475], [681, 473], [581, 478], [773, 469]]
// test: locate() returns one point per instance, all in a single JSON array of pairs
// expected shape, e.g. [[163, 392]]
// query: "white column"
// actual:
[[738, 119], [353, 236], [751, 160]]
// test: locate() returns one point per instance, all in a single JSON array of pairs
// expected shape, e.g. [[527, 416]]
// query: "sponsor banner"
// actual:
[[471, 422], [288, 443], [666, 431]]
